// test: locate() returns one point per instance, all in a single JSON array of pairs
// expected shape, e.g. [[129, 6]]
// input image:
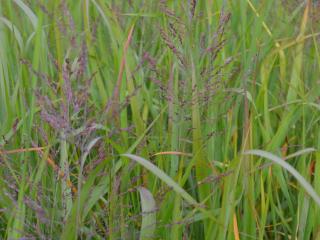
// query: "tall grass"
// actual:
[[138, 119]]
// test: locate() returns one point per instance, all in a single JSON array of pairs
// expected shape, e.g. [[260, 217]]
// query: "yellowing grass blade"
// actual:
[[235, 228], [173, 153]]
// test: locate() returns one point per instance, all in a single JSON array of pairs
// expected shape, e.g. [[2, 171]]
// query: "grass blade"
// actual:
[[307, 187], [163, 176], [148, 206]]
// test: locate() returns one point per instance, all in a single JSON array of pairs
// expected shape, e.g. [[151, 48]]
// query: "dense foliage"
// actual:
[[136, 119]]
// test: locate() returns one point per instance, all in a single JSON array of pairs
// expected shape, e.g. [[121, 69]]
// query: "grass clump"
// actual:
[[139, 119]]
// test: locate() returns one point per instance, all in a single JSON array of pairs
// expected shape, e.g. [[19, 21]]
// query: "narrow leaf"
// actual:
[[307, 187], [162, 176], [148, 206]]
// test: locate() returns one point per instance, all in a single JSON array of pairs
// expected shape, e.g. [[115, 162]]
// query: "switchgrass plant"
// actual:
[[159, 119]]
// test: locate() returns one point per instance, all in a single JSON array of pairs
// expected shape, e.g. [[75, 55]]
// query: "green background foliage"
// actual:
[[129, 119]]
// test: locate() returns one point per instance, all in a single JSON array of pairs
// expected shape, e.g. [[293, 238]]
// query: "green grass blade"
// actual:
[[162, 176], [148, 206], [306, 186]]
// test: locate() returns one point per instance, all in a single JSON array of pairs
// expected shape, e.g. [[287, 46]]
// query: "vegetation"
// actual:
[[159, 119]]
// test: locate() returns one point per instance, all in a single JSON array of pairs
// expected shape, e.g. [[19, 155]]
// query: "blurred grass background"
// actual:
[[185, 86]]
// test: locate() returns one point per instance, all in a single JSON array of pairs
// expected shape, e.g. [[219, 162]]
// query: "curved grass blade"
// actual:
[[162, 176], [307, 187], [300, 152], [14, 30], [148, 206], [33, 18]]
